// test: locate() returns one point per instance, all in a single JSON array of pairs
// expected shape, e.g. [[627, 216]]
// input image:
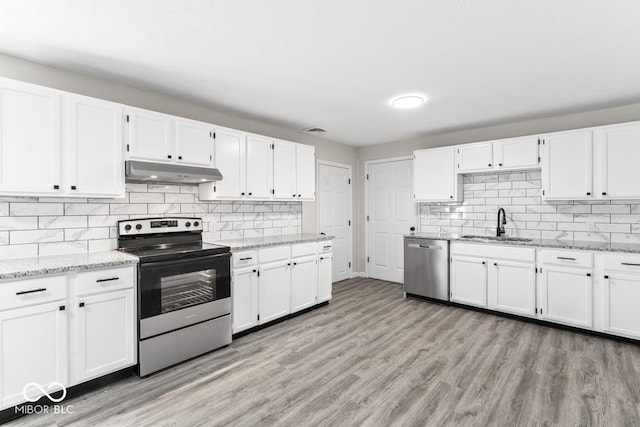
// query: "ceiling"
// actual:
[[336, 64]]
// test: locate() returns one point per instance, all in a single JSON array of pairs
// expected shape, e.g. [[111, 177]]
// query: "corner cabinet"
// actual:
[[434, 176]]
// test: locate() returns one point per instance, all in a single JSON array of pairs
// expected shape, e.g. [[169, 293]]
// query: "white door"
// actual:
[[259, 167], [324, 277], [105, 339], [567, 296], [475, 157], [228, 155], [304, 282], [469, 281], [305, 172], [334, 215], [94, 147], [621, 297], [434, 175], [391, 213], [245, 299], [30, 138], [149, 135], [284, 170], [194, 143], [34, 350], [567, 168], [516, 153], [619, 150], [274, 291], [512, 287]]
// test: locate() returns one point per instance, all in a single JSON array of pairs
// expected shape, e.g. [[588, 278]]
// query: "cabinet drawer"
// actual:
[[569, 258], [626, 263], [497, 251], [303, 249], [21, 293], [244, 259], [95, 281], [279, 253], [325, 247]]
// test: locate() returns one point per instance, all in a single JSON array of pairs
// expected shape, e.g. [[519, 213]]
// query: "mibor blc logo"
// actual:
[[33, 392]]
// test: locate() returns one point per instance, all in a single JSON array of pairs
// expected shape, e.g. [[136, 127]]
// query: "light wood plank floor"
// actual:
[[373, 358]]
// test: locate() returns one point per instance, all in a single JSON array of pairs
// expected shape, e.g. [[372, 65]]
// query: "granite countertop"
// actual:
[[261, 242], [541, 243], [54, 264]]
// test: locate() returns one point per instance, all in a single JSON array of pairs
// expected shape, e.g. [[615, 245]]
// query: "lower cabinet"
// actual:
[[620, 304], [325, 274], [274, 292], [513, 287], [567, 296], [245, 299], [469, 280], [304, 283]]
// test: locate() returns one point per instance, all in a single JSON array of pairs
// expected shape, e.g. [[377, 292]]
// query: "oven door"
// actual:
[[174, 294]]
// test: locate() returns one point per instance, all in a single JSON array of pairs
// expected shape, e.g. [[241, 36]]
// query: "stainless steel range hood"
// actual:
[[163, 173]]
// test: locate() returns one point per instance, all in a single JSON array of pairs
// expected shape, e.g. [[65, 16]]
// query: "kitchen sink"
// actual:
[[495, 238]]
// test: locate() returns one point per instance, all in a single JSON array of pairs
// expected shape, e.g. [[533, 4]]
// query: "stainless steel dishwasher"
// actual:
[[426, 268]]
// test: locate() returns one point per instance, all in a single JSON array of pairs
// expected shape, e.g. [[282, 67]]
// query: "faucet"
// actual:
[[500, 229]]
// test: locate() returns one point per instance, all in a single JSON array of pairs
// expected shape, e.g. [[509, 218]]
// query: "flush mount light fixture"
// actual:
[[154, 177], [405, 102]]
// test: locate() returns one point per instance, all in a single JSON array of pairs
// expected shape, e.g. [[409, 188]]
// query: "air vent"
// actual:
[[315, 130]]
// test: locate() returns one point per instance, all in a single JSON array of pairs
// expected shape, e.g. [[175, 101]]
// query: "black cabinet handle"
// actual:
[[33, 291], [499, 164], [588, 193], [254, 271], [567, 258], [451, 197], [631, 264], [294, 195], [483, 263], [289, 264], [295, 263], [242, 194], [299, 195], [489, 164], [81, 305], [169, 156], [495, 263], [604, 193], [606, 277], [246, 259], [321, 258], [110, 279], [179, 157], [73, 187], [62, 308], [56, 187], [250, 194]]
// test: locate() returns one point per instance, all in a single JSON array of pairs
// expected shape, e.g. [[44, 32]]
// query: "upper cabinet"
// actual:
[[434, 175], [475, 157], [259, 167], [305, 172], [616, 154], [567, 172], [284, 171], [228, 158], [516, 153], [193, 143], [30, 139]]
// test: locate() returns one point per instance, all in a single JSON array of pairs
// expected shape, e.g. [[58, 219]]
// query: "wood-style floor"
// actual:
[[373, 358]]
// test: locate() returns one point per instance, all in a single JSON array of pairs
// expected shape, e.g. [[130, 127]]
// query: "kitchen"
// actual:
[[199, 244]]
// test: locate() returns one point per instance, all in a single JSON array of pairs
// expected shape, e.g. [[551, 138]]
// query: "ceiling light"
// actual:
[[405, 102], [153, 176], [203, 179]]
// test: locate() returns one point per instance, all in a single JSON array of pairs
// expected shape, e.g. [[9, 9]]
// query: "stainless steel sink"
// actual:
[[495, 238]]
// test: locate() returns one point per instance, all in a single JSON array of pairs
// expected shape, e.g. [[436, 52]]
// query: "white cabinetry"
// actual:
[[325, 272], [193, 143], [567, 165], [617, 150], [149, 135], [228, 155], [476, 157], [245, 299], [434, 176], [305, 172], [516, 153], [274, 290], [512, 286], [469, 280], [293, 171], [621, 295], [304, 275], [259, 167]]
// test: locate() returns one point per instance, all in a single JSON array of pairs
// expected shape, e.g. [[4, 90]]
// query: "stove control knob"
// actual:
[[127, 227], [195, 224], [188, 224], [138, 226]]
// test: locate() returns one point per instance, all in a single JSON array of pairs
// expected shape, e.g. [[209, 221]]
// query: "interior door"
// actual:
[[305, 172], [284, 170], [30, 139], [94, 152], [334, 215], [228, 155], [194, 143], [259, 167], [619, 151], [391, 213], [149, 135]]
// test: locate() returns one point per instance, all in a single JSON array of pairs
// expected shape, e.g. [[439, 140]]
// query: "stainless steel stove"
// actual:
[[184, 290]]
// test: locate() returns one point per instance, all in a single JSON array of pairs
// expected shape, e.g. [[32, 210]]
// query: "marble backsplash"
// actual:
[[31, 226], [519, 193]]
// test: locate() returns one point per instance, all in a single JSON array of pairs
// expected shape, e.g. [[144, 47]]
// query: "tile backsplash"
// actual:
[[519, 193], [31, 226]]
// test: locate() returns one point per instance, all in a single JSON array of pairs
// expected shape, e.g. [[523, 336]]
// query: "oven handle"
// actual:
[[163, 264]]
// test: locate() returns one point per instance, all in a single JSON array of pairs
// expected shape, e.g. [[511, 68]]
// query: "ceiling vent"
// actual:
[[315, 130]]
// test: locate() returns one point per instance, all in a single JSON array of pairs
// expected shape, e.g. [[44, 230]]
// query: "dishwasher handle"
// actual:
[[419, 246]]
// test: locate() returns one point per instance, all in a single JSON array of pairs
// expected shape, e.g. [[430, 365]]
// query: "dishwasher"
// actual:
[[426, 268]]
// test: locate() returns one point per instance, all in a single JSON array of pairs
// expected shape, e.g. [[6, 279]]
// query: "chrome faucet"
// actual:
[[500, 230]]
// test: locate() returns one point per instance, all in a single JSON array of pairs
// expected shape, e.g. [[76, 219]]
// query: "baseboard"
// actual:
[[355, 274]]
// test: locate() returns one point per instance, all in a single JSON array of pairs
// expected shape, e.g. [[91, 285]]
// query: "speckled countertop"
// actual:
[[540, 243], [55, 264], [261, 242]]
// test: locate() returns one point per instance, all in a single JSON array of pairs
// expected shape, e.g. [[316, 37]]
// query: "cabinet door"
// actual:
[[304, 283], [619, 150], [476, 157], [620, 304], [29, 139], [94, 148], [284, 170], [434, 175], [513, 287], [274, 291], [34, 350], [305, 172], [105, 338], [469, 281], [324, 277], [245, 299], [259, 167], [567, 168], [194, 143], [516, 153], [567, 296], [228, 155], [149, 135]]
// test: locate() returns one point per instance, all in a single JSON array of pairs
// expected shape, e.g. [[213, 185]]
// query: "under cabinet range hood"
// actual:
[[164, 173]]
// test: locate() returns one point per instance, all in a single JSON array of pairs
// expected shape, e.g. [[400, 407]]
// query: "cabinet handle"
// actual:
[[588, 193], [179, 157], [242, 194], [33, 291], [110, 279], [295, 263], [299, 195], [321, 258], [566, 258], [73, 187], [254, 271], [495, 263], [500, 164], [246, 259], [250, 194], [81, 305], [483, 263], [631, 264], [606, 277], [604, 193], [451, 197], [489, 164], [289, 264], [294, 195], [56, 187], [62, 308], [169, 156], [588, 274]]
